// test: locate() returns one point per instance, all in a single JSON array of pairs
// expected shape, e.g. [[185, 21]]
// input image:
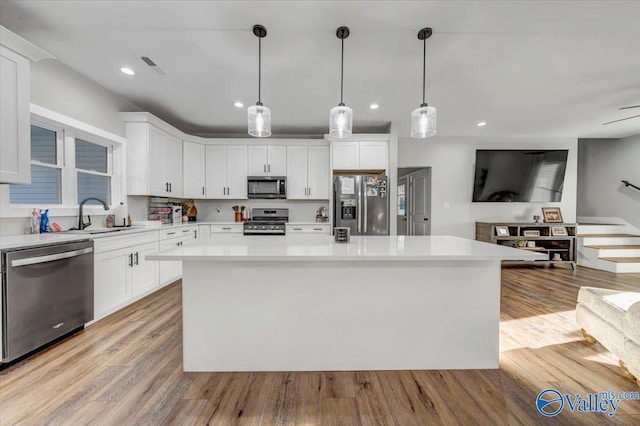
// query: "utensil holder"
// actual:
[[238, 217], [341, 234]]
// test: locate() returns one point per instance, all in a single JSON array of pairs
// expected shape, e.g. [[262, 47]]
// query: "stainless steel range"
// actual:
[[267, 222]]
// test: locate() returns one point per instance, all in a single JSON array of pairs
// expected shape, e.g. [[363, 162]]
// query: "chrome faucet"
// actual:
[[81, 224]]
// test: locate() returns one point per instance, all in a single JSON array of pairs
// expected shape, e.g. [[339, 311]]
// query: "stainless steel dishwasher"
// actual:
[[47, 293]]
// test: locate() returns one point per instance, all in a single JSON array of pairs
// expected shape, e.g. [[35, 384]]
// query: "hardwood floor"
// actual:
[[126, 369]]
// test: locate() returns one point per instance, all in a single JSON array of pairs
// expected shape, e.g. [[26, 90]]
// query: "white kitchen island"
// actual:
[[305, 303]]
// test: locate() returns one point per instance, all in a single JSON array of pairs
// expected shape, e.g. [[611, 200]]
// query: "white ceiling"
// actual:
[[544, 68]]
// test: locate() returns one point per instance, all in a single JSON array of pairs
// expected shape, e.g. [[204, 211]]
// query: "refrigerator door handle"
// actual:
[[359, 206], [366, 212]]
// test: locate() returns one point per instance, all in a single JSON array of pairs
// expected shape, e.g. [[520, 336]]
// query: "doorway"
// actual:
[[414, 201]]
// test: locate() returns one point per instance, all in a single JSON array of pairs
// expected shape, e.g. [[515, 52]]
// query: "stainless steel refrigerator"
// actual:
[[361, 203]]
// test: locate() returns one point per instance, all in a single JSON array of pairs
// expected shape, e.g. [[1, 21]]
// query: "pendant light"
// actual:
[[258, 115], [423, 119], [341, 117]]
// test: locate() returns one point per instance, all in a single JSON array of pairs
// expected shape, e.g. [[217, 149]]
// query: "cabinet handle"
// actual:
[[317, 229], [136, 256], [166, 187], [186, 230], [269, 168], [203, 190], [228, 190], [170, 187], [297, 229], [195, 234], [309, 191], [226, 229], [131, 260], [264, 168]]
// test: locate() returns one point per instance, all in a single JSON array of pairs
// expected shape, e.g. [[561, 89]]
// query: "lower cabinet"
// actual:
[[319, 228], [171, 271], [122, 274]]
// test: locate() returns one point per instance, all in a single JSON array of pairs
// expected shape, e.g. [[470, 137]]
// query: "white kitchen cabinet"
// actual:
[[172, 238], [226, 171], [193, 163], [318, 228], [154, 161], [267, 160], [373, 155], [227, 228], [363, 155], [307, 172], [15, 136], [121, 272], [204, 233]]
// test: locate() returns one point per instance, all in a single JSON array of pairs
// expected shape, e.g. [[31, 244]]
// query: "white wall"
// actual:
[[602, 164], [63, 90], [452, 170]]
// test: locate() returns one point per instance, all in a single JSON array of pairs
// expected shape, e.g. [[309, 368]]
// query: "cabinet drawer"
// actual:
[[227, 229], [308, 229], [177, 232], [103, 244]]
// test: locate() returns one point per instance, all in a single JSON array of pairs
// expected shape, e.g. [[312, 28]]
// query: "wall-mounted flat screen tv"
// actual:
[[519, 175]]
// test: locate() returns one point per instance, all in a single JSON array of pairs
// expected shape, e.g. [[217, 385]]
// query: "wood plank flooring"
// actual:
[[126, 370]]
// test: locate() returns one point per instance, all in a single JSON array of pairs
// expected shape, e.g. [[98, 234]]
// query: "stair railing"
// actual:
[[627, 183]]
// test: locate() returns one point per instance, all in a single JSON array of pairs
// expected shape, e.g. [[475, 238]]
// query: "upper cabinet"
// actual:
[[226, 171], [154, 161], [193, 166], [15, 136], [363, 155], [308, 172], [267, 160]]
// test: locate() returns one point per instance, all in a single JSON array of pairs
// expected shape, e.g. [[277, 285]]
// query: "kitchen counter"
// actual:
[[323, 248], [305, 303]]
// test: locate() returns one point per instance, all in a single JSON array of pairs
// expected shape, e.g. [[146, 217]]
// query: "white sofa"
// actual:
[[612, 318]]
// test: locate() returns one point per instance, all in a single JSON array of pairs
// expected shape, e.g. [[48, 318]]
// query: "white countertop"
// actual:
[[323, 248]]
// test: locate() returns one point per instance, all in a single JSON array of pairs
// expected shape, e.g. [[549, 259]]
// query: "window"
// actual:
[[70, 161], [93, 171], [46, 169]]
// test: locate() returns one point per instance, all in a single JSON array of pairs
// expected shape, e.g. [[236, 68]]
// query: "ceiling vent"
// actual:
[[147, 60]]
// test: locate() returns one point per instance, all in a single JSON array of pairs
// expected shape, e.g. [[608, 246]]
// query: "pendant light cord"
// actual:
[[259, 68], [424, 70], [342, 72]]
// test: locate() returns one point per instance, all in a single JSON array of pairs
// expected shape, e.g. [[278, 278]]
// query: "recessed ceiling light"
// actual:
[[127, 71], [374, 106], [238, 104], [481, 124]]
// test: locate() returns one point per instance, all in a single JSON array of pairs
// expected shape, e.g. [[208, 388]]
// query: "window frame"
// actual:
[[68, 129]]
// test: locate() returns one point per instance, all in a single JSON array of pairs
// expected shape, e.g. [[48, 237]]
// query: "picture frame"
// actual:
[[502, 231], [552, 215], [558, 230], [531, 233]]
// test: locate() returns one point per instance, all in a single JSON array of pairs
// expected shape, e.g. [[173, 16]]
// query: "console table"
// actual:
[[558, 240]]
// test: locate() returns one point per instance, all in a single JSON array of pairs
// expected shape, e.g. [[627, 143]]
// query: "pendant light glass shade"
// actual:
[[340, 121], [423, 122], [259, 118], [258, 115]]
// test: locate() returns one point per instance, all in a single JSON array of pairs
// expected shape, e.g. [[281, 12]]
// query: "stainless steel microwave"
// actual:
[[267, 187]]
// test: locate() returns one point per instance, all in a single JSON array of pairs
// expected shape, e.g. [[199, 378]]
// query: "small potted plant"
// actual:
[[521, 243]]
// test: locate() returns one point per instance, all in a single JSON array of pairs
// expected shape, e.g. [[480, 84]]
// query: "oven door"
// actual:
[[266, 187]]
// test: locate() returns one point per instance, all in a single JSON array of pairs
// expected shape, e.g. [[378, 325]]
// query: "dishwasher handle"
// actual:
[[50, 257]]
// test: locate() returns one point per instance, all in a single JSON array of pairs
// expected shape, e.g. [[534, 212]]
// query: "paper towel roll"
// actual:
[[120, 213]]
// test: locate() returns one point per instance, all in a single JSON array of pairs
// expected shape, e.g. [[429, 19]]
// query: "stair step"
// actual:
[[622, 259], [607, 235], [615, 247]]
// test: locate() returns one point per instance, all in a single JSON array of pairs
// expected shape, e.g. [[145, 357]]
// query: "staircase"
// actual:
[[608, 247]]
